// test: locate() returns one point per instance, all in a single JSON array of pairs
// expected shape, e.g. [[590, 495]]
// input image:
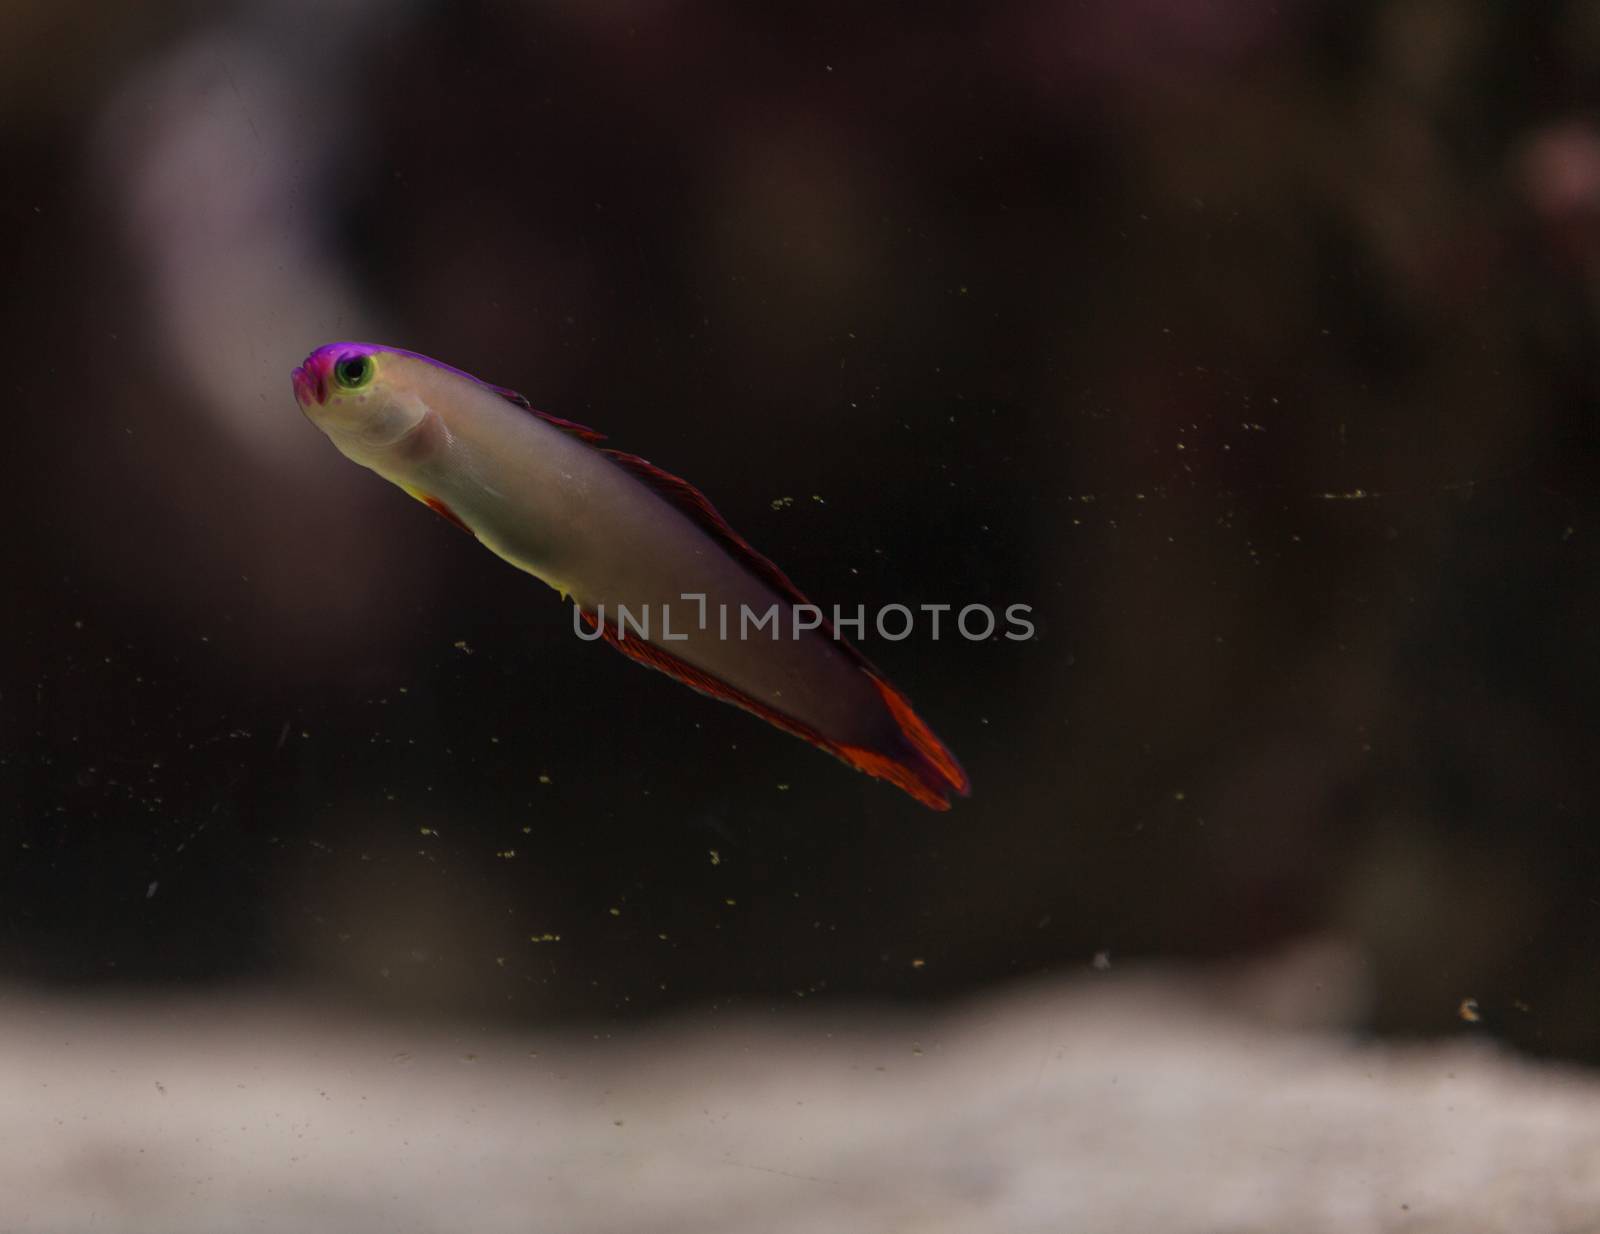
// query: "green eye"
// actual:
[[353, 372]]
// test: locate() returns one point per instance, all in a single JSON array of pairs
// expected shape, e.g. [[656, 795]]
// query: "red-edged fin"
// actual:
[[926, 770], [947, 771], [690, 501], [439, 508], [580, 431], [445, 512]]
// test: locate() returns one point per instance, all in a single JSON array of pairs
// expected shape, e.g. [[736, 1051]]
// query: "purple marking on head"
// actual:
[[320, 362], [329, 354]]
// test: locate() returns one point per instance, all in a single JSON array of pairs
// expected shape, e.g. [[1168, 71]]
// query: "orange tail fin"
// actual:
[[928, 771], [924, 768]]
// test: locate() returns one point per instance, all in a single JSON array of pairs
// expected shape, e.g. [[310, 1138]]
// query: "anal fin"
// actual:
[[925, 769]]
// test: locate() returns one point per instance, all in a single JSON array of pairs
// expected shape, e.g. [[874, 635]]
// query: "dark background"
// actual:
[[1251, 343]]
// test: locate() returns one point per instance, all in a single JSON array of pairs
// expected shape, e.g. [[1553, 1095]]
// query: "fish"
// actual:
[[614, 533]]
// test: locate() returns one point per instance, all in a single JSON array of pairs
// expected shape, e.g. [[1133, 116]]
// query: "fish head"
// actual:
[[357, 394]]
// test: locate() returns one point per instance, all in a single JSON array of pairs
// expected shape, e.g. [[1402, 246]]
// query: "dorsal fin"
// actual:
[[690, 501], [581, 432]]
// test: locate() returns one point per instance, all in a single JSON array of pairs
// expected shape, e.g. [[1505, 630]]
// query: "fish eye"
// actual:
[[353, 372]]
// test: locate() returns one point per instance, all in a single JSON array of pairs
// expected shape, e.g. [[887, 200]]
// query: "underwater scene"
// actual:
[[646, 615]]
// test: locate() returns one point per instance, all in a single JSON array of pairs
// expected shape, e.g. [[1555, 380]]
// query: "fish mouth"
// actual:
[[309, 385]]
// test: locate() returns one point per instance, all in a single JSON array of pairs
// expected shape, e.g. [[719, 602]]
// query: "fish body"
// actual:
[[612, 532]]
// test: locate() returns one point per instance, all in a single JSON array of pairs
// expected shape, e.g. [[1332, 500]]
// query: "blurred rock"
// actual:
[[1122, 1101]]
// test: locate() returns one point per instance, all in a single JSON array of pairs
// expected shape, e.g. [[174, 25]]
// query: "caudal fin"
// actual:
[[924, 767], [919, 763]]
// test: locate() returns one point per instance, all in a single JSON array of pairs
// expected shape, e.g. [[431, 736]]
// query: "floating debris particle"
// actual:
[[461, 645], [716, 857], [1468, 1010], [919, 962], [1101, 962]]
